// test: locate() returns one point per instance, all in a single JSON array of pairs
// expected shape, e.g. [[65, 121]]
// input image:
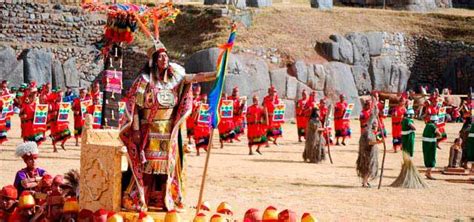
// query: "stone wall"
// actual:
[[442, 64], [58, 38]]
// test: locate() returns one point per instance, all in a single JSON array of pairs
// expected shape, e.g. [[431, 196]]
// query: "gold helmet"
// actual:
[[26, 200], [307, 217], [224, 208], [217, 218], [201, 217], [270, 214], [172, 216], [143, 217]]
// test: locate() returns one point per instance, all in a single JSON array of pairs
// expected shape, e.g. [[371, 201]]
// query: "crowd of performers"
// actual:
[[28, 99], [257, 118]]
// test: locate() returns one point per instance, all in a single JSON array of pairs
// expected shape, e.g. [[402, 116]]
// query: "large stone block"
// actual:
[[340, 49], [278, 80], [360, 47], [322, 4], [58, 75], [375, 40], [291, 87], [71, 73], [380, 72], [301, 70], [316, 77], [341, 81], [11, 69], [37, 66], [259, 3], [301, 87], [362, 79]]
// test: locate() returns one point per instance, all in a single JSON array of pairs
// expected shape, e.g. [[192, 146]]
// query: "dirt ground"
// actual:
[[280, 178]]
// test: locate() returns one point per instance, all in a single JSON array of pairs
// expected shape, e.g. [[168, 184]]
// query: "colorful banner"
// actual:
[[8, 104], [204, 115], [441, 115], [101, 98], [279, 113], [41, 114], [64, 109], [121, 109], [227, 109], [386, 107], [84, 105], [97, 115], [347, 114], [113, 81]]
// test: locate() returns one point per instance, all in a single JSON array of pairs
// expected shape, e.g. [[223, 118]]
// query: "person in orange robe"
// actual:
[[323, 114], [301, 115], [256, 119], [274, 130], [59, 130], [341, 125], [380, 105]]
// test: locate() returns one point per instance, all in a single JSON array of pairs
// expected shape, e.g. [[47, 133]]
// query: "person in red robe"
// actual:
[[91, 109], [301, 115], [256, 119], [365, 114], [29, 131], [95, 93], [238, 115], [397, 117], [380, 105], [274, 130], [3, 125], [4, 91], [341, 125], [8, 203], [78, 115], [323, 114], [202, 130], [59, 130], [226, 127], [191, 120]]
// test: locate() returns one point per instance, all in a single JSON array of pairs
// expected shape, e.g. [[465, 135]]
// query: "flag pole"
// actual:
[[203, 181]]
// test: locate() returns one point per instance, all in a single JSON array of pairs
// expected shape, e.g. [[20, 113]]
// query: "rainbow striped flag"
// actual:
[[216, 92]]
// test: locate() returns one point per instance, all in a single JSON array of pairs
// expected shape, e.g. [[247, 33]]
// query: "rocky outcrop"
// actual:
[[37, 66], [11, 69]]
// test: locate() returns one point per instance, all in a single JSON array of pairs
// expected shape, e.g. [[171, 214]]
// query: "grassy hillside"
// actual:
[[295, 28]]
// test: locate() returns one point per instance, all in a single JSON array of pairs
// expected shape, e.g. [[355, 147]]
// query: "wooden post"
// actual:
[[203, 181]]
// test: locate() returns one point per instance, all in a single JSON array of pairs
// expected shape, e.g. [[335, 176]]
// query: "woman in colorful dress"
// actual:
[[256, 119], [28, 177]]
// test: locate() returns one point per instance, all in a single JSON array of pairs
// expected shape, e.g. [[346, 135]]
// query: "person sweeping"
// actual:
[[409, 176]]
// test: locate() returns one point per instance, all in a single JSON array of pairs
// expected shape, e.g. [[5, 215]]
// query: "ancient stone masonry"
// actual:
[[49, 43], [442, 64]]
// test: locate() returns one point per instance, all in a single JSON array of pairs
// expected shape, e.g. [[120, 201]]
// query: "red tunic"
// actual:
[[397, 118], [364, 118], [29, 131], [226, 128], [78, 120], [90, 110], [3, 125], [202, 132], [59, 130], [302, 117], [190, 121], [238, 116], [256, 133], [430, 110], [341, 125], [273, 128]]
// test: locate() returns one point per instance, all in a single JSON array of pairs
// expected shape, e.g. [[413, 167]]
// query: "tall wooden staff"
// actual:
[[327, 122], [384, 145], [214, 101]]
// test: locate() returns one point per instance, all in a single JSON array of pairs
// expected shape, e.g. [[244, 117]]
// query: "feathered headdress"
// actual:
[[27, 149]]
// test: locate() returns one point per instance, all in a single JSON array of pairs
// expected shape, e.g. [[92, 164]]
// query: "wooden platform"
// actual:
[[468, 181], [456, 171]]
